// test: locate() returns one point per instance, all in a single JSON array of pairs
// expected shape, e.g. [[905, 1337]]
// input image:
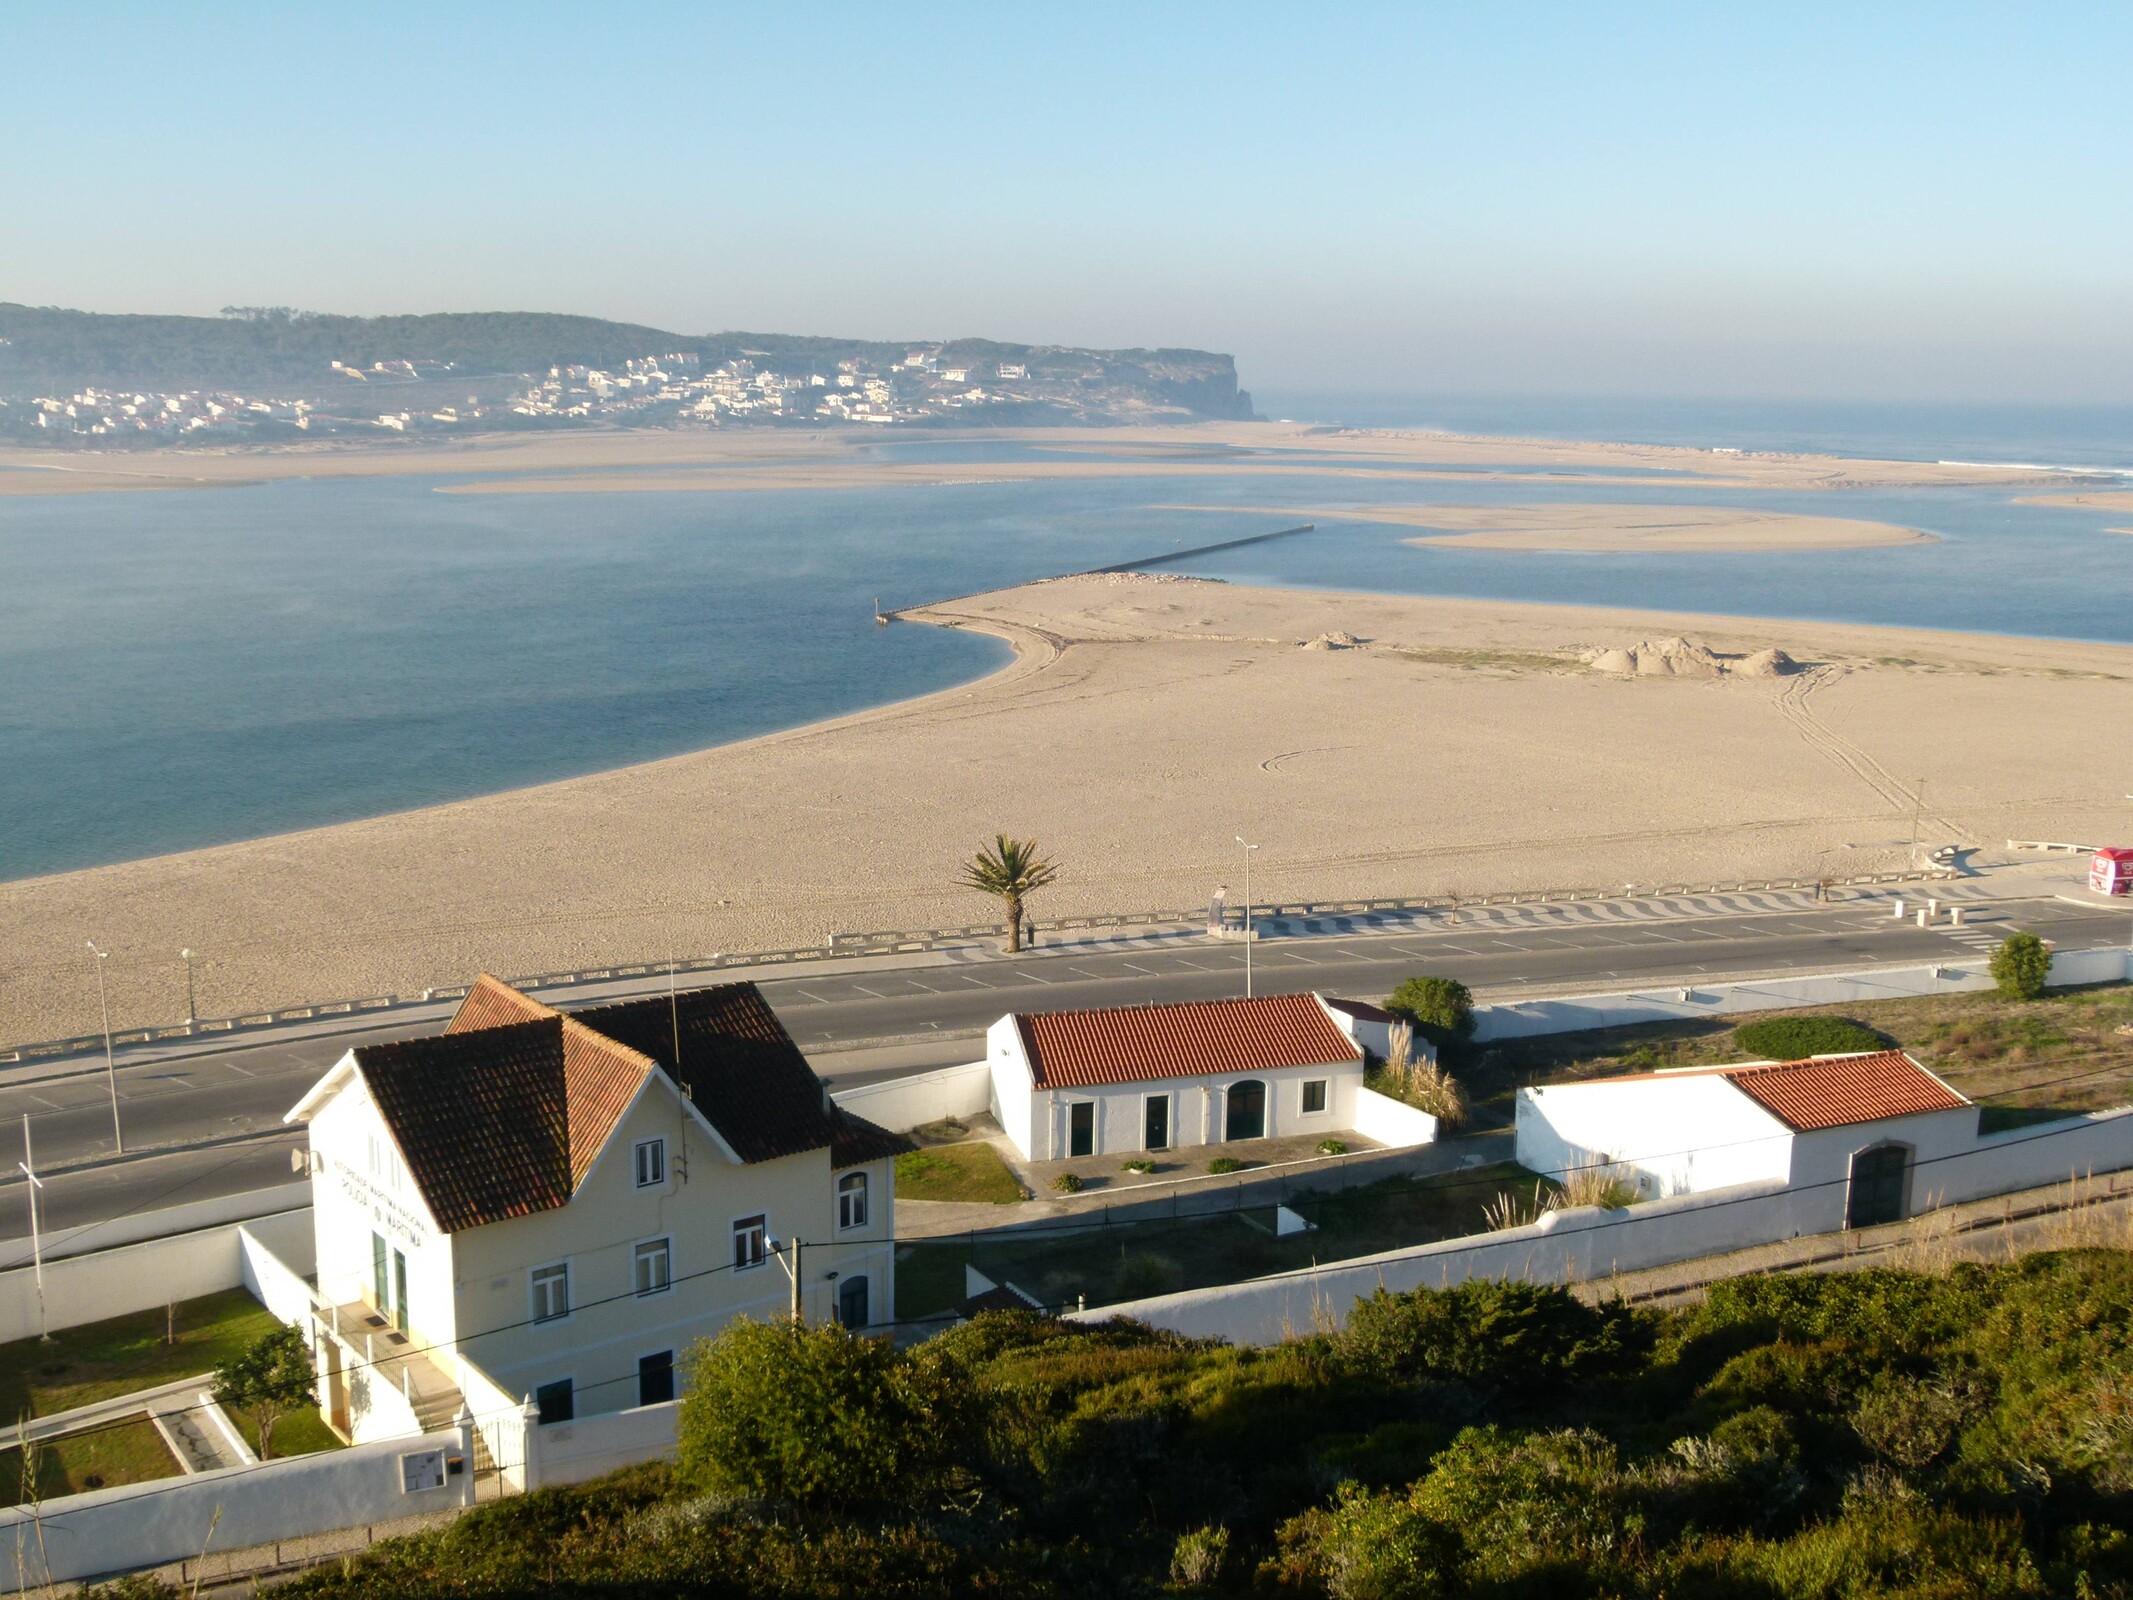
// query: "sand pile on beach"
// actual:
[[1677, 657], [1337, 639]]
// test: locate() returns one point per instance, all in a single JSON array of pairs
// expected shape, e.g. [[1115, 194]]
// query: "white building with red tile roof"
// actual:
[[1870, 1126], [556, 1206], [1135, 1079]]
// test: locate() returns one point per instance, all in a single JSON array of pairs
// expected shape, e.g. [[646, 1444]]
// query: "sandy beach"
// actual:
[[1376, 745]]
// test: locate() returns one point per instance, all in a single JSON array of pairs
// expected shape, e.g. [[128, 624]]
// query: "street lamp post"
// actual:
[[778, 1248], [1248, 849], [103, 999], [192, 1012], [28, 1164]]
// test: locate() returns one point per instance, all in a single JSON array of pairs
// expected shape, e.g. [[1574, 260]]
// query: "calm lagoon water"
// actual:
[[184, 669]]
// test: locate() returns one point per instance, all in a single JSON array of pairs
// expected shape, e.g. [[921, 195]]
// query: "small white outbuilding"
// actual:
[[1861, 1126], [1133, 1079]]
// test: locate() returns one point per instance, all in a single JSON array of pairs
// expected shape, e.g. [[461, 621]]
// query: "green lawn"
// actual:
[[1129, 1261], [102, 1458], [102, 1359], [296, 1433], [971, 1171]]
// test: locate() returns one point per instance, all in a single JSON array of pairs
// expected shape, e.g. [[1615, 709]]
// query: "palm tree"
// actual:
[[1011, 869]]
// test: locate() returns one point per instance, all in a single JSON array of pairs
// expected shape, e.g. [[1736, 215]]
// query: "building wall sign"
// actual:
[[391, 1216]]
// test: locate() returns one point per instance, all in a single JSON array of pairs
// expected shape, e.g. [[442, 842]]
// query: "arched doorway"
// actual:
[[1877, 1187], [1244, 1110]]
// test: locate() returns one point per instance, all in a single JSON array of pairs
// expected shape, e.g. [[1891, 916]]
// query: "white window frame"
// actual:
[[656, 1149], [539, 1277], [758, 1222], [661, 1249], [1324, 1086], [853, 1186]]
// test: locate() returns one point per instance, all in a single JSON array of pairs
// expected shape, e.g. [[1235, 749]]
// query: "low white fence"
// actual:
[[274, 1256], [1588, 1243], [1961, 973], [188, 1218], [134, 1277], [1392, 1123], [900, 1103], [175, 1519], [569, 1452]]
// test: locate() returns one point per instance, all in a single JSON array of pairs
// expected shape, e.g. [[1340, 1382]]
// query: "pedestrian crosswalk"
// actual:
[[1489, 919]]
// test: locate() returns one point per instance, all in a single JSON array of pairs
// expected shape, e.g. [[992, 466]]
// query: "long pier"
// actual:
[[1204, 549]]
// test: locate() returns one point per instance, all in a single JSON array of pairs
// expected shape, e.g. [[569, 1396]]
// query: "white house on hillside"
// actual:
[[1864, 1123], [1144, 1078], [557, 1206]]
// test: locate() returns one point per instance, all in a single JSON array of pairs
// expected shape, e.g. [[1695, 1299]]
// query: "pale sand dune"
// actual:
[[711, 459], [1459, 745], [1624, 528]]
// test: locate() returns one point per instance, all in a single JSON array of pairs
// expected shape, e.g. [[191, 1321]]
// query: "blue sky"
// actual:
[[1880, 202]]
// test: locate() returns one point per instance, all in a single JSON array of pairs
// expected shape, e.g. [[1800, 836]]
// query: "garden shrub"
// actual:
[[1522, 1338], [2021, 966], [815, 1416], [1196, 1559], [1441, 1010], [1555, 1502], [1222, 1164], [1332, 1147], [1797, 1038], [1067, 1183]]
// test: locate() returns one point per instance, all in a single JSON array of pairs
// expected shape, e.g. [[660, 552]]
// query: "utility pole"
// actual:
[[1248, 849], [192, 1011], [103, 999], [29, 1171], [780, 1248]]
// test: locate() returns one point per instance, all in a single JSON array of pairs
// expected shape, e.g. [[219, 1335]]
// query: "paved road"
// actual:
[[236, 1094]]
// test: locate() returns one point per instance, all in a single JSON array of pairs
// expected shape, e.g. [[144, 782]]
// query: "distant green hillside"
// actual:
[[53, 351]]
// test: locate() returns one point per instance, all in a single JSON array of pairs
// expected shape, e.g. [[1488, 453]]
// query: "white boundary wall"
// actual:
[[1962, 973], [569, 1452], [171, 1519], [134, 1277], [900, 1103], [191, 1217], [1588, 1243], [1391, 1122]]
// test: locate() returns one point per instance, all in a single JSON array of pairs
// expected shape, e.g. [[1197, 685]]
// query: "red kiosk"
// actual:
[[2111, 871]]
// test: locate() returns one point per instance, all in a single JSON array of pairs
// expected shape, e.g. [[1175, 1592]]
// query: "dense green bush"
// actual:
[[1441, 1010], [1797, 1038], [1876, 1435], [1518, 1338], [1222, 1164], [815, 1417], [2021, 966]]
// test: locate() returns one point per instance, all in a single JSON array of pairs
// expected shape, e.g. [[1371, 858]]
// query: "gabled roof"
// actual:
[[1833, 1091], [600, 1076], [504, 1113], [738, 1065], [481, 1119], [1130, 1044]]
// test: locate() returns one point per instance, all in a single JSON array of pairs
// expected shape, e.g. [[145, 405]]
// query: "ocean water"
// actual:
[[185, 669]]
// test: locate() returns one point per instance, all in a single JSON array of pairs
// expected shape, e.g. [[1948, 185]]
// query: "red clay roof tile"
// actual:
[[1832, 1091], [1081, 1049]]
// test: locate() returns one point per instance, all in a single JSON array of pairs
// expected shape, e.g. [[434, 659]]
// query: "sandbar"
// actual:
[[714, 459], [1615, 528], [1145, 721]]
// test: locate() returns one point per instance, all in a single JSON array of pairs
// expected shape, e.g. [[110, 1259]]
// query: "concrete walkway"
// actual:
[[198, 1431]]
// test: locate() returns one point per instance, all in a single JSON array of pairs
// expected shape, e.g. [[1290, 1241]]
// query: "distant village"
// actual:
[[671, 389]]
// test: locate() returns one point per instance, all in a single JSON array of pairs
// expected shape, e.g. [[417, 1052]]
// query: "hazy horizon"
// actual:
[[1535, 200]]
